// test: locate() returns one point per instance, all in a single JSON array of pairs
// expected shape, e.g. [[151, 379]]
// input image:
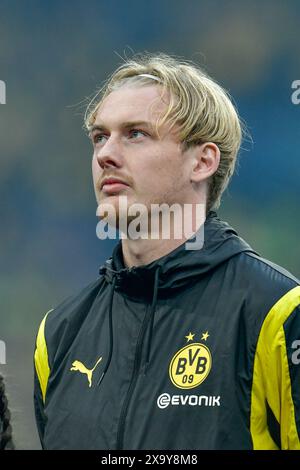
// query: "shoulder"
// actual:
[[67, 316], [262, 277], [75, 306], [262, 289], [269, 270]]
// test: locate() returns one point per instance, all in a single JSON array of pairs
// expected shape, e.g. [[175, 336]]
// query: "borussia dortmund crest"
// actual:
[[190, 365]]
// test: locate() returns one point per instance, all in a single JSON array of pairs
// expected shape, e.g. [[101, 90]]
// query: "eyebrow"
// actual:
[[125, 125]]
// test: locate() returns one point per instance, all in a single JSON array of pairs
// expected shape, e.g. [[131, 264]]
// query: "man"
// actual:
[[171, 348]]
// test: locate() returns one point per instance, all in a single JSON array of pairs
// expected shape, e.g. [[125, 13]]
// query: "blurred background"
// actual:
[[53, 56]]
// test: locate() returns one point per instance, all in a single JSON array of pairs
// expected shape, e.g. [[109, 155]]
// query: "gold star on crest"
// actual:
[[190, 337], [205, 335]]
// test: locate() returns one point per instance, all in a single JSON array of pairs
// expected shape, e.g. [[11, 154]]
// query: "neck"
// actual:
[[143, 251]]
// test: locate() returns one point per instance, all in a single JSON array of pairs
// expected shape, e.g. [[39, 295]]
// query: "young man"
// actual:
[[171, 348]]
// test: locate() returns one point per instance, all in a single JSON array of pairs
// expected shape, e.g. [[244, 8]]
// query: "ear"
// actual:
[[206, 159]]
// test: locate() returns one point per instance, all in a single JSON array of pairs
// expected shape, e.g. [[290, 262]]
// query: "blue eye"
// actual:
[[98, 138], [136, 131]]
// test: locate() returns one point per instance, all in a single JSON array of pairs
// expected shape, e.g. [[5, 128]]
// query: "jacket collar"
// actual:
[[180, 266]]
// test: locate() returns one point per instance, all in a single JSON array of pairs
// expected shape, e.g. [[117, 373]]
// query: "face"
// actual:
[[151, 169]]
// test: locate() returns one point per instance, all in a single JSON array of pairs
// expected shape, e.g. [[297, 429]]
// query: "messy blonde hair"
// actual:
[[200, 107]]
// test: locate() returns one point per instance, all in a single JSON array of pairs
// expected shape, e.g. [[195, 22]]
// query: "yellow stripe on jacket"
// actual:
[[41, 357], [271, 379]]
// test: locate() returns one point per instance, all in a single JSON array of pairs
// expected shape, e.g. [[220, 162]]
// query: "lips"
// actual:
[[110, 185]]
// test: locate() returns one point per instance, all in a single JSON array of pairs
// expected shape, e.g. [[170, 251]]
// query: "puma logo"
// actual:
[[78, 366]]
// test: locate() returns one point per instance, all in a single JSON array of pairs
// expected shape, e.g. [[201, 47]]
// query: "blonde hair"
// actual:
[[201, 108]]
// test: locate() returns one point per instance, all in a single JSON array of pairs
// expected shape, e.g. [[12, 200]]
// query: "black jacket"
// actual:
[[196, 350]]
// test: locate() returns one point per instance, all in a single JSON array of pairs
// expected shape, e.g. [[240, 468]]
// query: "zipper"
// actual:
[[136, 367]]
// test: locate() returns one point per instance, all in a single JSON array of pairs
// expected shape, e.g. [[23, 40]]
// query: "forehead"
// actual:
[[132, 103]]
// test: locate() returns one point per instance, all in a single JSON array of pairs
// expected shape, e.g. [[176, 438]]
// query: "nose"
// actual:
[[109, 154]]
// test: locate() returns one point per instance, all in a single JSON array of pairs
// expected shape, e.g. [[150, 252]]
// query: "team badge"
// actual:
[[191, 365]]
